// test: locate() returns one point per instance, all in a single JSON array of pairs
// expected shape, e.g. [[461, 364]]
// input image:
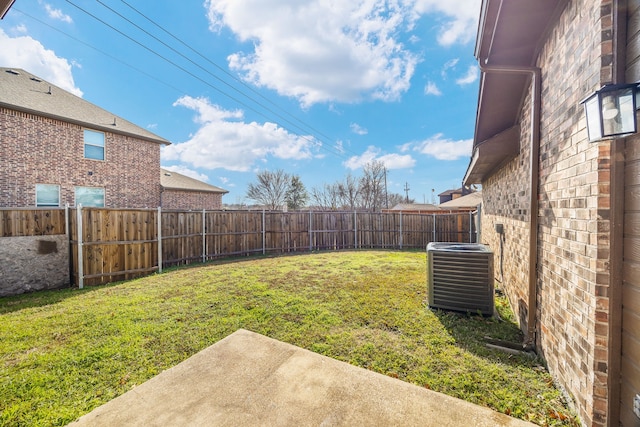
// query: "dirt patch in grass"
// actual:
[[63, 353]]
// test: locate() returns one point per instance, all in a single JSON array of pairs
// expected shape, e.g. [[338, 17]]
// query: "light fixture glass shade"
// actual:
[[611, 111]]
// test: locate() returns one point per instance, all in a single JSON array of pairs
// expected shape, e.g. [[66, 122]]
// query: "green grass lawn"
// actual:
[[63, 353]]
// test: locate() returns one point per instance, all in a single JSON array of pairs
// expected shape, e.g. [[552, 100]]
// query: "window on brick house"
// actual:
[[93, 145], [90, 196], [47, 195]]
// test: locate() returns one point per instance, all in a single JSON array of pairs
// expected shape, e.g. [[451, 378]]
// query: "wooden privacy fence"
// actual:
[[32, 222], [108, 245]]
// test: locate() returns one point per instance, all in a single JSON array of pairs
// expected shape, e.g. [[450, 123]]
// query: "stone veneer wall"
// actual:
[[573, 230], [39, 150], [33, 263], [194, 200]]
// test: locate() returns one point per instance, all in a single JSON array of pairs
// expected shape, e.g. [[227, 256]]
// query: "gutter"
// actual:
[[534, 176]]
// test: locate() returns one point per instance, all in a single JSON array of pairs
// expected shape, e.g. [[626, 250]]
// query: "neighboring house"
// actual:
[[449, 195], [468, 202], [182, 192], [57, 148], [563, 213], [413, 208]]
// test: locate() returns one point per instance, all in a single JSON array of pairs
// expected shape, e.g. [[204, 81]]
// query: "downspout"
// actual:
[[534, 175]]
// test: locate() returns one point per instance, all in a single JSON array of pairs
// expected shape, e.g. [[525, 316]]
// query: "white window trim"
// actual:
[[85, 143]]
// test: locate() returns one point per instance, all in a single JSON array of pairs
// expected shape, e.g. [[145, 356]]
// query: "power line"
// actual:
[[180, 91], [222, 69], [191, 61], [314, 140]]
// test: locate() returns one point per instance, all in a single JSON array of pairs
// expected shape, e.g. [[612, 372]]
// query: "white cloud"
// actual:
[[20, 29], [445, 149], [391, 161], [470, 77], [357, 129], [320, 51], [57, 14], [29, 54], [224, 141], [187, 172], [432, 89], [449, 65], [461, 19]]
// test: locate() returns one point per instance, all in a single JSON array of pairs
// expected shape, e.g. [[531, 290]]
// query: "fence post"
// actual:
[[80, 257], [264, 235], [159, 239], [478, 223], [470, 227], [204, 236], [66, 220], [434, 228], [400, 230], [310, 230], [355, 229]]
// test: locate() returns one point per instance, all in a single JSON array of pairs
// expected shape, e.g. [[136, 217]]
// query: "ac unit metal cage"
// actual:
[[460, 277]]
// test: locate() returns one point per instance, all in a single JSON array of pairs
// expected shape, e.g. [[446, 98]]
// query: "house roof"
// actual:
[[469, 201], [509, 36], [176, 181], [450, 192], [22, 91], [5, 5], [415, 207]]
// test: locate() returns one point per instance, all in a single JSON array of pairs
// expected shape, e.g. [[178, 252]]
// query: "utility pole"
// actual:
[[406, 191]]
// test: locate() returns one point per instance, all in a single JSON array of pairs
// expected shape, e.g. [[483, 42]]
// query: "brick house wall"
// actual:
[[572, 333], [39, 150], [192, 200], [505, 200], [575, 218]]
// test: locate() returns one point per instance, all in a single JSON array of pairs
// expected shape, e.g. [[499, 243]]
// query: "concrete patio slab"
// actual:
[[248, 379]]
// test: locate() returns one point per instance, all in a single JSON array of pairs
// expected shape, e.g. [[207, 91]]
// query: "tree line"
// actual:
[[275, 189]]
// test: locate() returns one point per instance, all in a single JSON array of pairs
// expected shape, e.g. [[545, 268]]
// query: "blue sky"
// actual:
[[317, 87]]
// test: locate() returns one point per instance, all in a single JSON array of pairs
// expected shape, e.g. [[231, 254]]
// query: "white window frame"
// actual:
[[79, 187], [45, 204], [87, 142]]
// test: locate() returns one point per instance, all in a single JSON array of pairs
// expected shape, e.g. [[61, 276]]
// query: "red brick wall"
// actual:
[[38, 150], [193, 200], [573, 232]]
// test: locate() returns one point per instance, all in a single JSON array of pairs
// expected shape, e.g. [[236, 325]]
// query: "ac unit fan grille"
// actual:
[[461, 281]]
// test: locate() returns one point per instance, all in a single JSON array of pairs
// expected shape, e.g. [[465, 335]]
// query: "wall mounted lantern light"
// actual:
[[611, 111]]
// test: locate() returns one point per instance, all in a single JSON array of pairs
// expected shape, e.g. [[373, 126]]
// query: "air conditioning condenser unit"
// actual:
[[460, 277]]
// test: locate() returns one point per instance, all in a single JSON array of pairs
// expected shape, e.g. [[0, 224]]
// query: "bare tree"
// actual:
[[270, 189], [349, 192], [397, 198], [372, 186], [326, 197]]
